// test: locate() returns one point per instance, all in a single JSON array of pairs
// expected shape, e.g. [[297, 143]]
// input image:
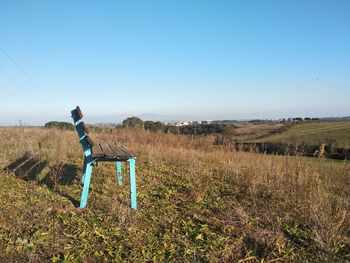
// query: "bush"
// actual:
[[60, 125], [133, 123], [153, 126], [202, 129]]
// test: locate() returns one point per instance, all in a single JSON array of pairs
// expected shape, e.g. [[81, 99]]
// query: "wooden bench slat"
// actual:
[[83, 126], [119, 152], [103, 151], [106, 149], [79, 113], [97, 150], [89, 140], [111, 152], [123, 149]]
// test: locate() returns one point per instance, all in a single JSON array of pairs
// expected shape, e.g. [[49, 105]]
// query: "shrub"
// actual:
[[202, 129], [153, 126], [133, 123], [59, 125]]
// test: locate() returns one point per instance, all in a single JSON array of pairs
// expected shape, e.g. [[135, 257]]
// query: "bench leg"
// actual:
[[119, 172], [87, 179], [82, 178], [132, 183]]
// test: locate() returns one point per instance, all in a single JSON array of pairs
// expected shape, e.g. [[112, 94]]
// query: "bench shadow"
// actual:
[[65, 174], [26, 167], [30, 168]]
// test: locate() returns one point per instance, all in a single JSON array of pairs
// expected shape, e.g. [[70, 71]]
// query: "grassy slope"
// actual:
[[315, 133], [196, 203], [250, 132]]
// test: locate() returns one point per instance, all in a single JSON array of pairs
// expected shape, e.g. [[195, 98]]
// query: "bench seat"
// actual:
[[103, 151]]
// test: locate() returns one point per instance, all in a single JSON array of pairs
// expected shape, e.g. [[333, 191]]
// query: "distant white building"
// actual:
[[206, 122], [186, 123], [183, 123]]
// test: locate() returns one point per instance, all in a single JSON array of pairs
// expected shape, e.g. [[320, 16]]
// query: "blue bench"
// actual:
[[102, 152]]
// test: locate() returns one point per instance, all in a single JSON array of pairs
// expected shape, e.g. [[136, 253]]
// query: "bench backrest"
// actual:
[[80, 126]]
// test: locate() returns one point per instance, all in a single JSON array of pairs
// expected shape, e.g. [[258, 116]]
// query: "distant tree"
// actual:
[[256, 121], [298, 119], [153, 126], [202, 129], [59, 125], [171, 129], [133, 123]]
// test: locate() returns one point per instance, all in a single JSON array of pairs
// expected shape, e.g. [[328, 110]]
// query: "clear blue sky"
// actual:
[[205, 59]]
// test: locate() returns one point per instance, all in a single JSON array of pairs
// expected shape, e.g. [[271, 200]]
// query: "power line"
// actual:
[[19, 98], [28, 77], [22, 101], [9, 43], [28, 91], [13, 95]]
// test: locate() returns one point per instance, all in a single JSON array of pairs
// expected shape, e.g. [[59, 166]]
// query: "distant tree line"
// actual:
[[157, 126], [154, 126], [59, 125], [202, 129]]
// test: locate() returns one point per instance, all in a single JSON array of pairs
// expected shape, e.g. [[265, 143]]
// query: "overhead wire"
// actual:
[[30, 79], [13, 95], [47, 100], [28, 91], [23, 101]]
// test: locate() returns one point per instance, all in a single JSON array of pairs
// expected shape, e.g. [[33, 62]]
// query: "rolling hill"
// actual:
[[314, 133]]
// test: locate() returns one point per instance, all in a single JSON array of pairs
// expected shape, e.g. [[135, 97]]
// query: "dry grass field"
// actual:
[[252, 132], [197, 202], [314, 133]]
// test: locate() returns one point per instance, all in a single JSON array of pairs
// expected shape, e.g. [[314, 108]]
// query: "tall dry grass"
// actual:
[[307, 193], [270, 200]]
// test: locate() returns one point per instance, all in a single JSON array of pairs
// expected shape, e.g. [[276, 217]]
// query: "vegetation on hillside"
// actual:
[[315, 133], [133, 123], [157, 126], [154, 126], [252, 132], [60, 125], [197, 202]]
